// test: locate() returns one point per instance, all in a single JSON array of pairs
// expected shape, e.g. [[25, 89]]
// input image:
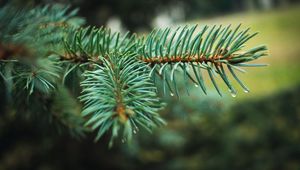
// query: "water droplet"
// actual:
[[196, 85], [246, 90], [134, 131], [233, 93], [123, 140], [172, 94]]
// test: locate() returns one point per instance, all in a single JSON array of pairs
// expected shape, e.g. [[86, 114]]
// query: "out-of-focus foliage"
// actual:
[[28, 70], [259, 134], [138, 14]]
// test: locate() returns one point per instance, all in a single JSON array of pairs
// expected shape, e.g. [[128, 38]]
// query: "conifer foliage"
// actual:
[[47, 56]]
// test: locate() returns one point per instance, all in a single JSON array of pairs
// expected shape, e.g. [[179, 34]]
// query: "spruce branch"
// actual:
[[41, 48], [208, 50], [119, 94], [165, 53], [168, 52]]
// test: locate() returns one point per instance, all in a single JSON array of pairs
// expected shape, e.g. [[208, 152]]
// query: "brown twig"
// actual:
[[8, 50]]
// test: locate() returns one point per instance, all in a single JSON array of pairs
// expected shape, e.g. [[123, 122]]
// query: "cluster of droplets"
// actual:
[[234, 92], [172, 94], [135, 131]]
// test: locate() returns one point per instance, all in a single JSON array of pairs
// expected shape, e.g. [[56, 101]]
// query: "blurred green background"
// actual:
[[259, 130]]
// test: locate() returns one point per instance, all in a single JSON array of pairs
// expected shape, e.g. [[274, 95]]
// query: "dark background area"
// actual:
[[138, 14]]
